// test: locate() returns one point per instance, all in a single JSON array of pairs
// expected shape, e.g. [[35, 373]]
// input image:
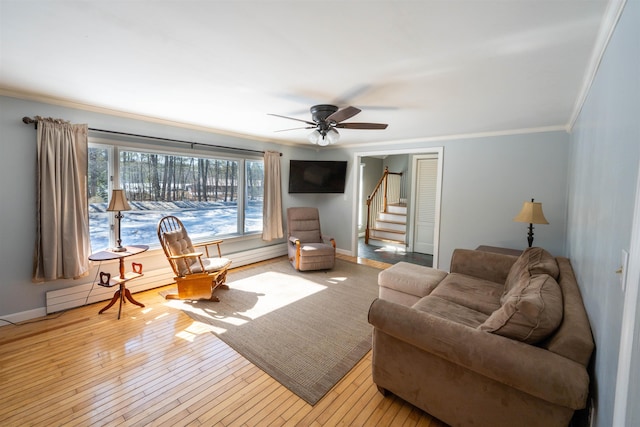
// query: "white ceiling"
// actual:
[[427, 68]]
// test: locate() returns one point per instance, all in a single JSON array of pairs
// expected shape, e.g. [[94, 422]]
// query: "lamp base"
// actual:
[[530, 235], [119, 248]]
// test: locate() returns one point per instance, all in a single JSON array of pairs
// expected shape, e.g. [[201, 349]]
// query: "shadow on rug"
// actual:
[[305, 329]]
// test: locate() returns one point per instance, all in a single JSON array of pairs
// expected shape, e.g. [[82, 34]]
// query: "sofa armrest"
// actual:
[[489, 266], [293, 240], [528, 368], [329, 240]]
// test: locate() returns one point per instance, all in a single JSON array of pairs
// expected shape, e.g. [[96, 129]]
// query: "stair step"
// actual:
[[386, 216], [391, 225], [392, 222], [391, 235], [397, 208], [388, 230]]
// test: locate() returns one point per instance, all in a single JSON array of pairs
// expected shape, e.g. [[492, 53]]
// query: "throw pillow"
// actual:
[[531, 262], [530, 313]]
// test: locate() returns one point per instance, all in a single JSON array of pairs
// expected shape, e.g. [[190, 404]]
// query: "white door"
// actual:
[[426, 174]]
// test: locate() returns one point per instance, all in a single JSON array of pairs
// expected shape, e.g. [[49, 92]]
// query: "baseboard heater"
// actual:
[[89, 292]]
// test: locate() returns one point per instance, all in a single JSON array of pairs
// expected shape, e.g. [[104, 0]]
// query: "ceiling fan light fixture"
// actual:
[[323, 141], [333, 136], [314, 136], [324, 138], [326, 118]]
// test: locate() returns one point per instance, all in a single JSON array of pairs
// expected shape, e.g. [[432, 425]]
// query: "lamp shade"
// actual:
[[324, 137], [333, 136], [314, 137], [323, 141], [532, 213], [118, 201]]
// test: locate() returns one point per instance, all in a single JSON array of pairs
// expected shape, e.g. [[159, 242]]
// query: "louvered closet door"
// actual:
[[425, 214]]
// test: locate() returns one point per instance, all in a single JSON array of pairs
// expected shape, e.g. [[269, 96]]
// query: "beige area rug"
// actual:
[[305, 329]]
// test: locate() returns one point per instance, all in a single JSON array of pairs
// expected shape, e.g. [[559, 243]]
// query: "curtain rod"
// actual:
[[29, 120]]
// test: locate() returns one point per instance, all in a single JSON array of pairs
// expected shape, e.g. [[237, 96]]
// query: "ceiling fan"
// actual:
[[326, 118]]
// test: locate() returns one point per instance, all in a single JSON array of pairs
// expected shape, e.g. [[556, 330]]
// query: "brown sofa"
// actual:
[[499, 341]]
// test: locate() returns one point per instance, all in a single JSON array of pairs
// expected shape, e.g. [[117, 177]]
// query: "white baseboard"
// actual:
[[255, 255], [344, 252], [87, 293], [22, 316]]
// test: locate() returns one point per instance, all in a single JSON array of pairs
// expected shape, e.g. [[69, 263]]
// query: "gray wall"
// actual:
[[485, 182], [17, 211], [605, 152], [590, 208]]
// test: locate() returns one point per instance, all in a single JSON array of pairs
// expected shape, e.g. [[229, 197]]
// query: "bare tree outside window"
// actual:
[[201, 191]]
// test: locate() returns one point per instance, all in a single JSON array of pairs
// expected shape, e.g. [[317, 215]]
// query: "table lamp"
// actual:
[[118, 203], [532, 213]]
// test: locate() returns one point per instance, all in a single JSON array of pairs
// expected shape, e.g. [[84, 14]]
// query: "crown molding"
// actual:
[[76, 105], [30, 96], [475, 135]]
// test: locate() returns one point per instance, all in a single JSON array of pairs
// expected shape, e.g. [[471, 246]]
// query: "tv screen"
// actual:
[[314, 176]]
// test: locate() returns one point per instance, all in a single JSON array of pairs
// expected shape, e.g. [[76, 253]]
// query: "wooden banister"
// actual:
[[378, 200]]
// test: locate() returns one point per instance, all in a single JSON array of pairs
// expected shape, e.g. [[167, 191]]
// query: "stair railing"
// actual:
[[386, 191]]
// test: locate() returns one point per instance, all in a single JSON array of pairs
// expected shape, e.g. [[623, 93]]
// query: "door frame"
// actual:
[[630, 322], [356, 183], [438, 152]]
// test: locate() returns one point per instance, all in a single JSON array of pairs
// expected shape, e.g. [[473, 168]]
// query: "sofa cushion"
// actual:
[[450, 311], [530, 313], [180, 244], [476, 294], [211, 265], [412, 279], [573, 338], [532, 261], [317, 249]]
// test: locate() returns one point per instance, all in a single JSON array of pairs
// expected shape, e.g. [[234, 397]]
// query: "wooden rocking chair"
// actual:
[[197, 275]]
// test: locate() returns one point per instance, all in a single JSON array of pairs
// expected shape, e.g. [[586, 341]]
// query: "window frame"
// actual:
[[116, 146]]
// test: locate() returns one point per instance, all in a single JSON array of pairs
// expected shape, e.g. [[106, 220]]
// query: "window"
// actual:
[[212, 196]]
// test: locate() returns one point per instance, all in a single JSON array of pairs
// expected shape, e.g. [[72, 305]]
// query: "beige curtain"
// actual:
[[62, 239], [272, 206]]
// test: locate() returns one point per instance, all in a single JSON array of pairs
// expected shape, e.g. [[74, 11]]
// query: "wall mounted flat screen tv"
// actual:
[[314, 176]]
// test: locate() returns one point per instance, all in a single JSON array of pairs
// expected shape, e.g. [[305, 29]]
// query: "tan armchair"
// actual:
[[308, 249], [197, 274]]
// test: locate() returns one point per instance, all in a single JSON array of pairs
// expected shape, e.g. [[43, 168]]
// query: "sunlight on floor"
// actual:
[[158, 317], [245, 301], [195, 329], [392, 249]]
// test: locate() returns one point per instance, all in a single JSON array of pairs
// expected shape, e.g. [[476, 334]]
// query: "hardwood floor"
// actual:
[[155, 366]]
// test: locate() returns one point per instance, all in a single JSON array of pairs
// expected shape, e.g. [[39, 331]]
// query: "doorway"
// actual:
[[420, 192]]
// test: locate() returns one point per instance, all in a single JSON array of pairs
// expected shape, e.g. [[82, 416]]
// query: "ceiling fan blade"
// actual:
[[293, 118], [362, 125], [352, 93], [305, 127], [344, 114]]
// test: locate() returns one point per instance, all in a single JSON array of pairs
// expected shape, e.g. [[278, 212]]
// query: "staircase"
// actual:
[[391, 225], [387, 211]]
